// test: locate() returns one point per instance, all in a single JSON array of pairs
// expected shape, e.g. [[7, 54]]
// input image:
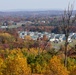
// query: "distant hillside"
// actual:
[[25, 13]]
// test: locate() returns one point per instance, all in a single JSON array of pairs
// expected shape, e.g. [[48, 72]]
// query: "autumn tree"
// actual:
[[67, 21], [27, 37], [56, 67], [16, 64], [71, 64], [6, 37], [73, 72], [1, 66]]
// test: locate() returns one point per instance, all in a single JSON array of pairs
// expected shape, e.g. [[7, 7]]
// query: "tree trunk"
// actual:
[[66, 48]]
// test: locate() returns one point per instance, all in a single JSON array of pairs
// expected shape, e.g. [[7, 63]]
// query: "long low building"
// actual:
[[51, 36]]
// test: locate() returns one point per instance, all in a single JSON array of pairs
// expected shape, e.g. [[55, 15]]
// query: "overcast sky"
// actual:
[[35, 4]]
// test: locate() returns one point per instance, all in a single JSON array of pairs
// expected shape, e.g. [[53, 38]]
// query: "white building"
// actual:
[[4, 27], [22, 34]]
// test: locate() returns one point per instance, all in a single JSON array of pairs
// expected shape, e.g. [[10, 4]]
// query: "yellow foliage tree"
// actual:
[[56, 68], [1, 66], [16, 65], [6, 37], [27, 37], [71, 64], [73, 72]]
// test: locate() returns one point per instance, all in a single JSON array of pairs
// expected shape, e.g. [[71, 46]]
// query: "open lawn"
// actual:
[[14, 26], [57, 45]]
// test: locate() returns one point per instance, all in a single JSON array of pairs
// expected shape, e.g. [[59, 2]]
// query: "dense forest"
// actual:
[[30, 57]]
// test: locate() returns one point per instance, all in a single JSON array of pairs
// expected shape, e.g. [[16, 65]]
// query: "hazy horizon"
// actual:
[[16, 10], [35, 5]]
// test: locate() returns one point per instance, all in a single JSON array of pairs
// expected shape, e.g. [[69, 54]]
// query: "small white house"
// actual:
[[69, 40], [74, 36], [52, 38], [22, 34], [31, 33]]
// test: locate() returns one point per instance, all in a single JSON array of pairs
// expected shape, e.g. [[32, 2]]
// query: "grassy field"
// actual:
[[14, 26], [57, 45]]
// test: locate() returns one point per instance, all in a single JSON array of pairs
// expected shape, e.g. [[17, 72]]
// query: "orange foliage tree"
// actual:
[[56, 67]]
